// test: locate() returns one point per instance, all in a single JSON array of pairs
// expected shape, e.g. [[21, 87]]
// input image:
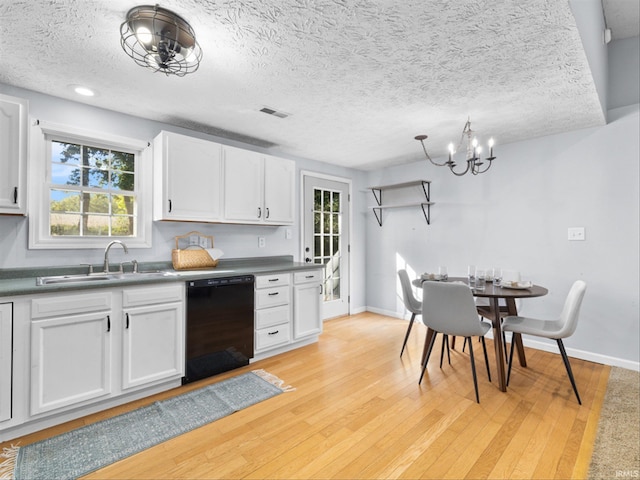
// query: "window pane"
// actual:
[[335, 205], [122, 161], [95, 203], [336, 244], [336, 223], [65, 174], [64, 201], [96, 225], [327, 246], [68, 153], [326, 220], [122, 204], [64, 224], [122, 226], [97, 158], [96, 178], [317, 252], [317, 199], [317, 217], [326, 201], [122, 181]]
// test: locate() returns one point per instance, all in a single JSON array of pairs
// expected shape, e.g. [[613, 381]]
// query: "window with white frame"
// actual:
[[96, 189]]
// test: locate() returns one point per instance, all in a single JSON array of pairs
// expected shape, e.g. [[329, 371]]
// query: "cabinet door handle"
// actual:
[[274, 293], [267, 210], [127, 326], [273, 333], [15, 194], [108, 323], [259, 212], [170, 206]]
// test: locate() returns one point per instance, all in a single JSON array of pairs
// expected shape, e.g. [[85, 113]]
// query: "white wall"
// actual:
[[516, 216], [235, 240]]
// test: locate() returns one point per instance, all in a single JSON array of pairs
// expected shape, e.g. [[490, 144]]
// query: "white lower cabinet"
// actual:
[[272, 311], [70, 360], [287, 311], [153, 335], [6, 357], [307, 319], [124, 339]]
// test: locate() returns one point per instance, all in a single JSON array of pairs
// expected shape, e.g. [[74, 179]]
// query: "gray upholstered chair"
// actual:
[[555, 329], [411, 303], [449, 309]]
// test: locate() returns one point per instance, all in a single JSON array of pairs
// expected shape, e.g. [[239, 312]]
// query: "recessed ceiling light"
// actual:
[[84, 91]]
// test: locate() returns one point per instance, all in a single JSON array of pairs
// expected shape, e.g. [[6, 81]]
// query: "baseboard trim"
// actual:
[[547, 347]]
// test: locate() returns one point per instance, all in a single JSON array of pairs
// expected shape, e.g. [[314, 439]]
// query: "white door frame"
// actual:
[[334, 178]]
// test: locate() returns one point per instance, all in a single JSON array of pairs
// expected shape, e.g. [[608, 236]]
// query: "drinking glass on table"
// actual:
[[497, 276], [480, 278], [442, 271], [471, 275]]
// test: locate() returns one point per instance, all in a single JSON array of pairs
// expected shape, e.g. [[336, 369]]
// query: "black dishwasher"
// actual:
[[220, 327]]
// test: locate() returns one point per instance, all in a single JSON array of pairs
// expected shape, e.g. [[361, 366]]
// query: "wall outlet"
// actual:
[[262, 242], [287, 233], [575, 234]]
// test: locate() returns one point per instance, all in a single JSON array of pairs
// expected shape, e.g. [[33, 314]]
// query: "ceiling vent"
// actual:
[[275, 113]]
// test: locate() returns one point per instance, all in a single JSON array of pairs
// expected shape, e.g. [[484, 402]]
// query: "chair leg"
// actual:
[[464, 344], [510, 361], [567, 365], [406, 337], [426, 358], [445, 344], [486, 358], [504, 346], [473, 369]]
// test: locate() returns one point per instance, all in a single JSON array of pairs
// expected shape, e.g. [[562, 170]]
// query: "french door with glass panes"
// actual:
[[326, 239]]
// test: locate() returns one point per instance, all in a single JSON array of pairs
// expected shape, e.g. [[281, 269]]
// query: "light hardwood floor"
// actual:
[[358, 413]]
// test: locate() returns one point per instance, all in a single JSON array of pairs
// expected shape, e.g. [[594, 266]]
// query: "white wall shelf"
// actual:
[[425, 206]]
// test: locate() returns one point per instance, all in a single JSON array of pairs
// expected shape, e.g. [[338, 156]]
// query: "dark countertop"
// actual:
[[16, 281]]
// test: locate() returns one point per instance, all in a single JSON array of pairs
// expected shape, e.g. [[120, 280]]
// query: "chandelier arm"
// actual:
[[459, 174], [477, 170], [429, 158]]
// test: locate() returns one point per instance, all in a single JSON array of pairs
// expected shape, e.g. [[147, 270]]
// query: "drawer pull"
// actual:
[[273, 333], [309, 276], [274, 279], [274, 293]]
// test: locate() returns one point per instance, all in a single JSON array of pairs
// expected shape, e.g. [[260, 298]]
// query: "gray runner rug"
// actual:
[[86, 449]]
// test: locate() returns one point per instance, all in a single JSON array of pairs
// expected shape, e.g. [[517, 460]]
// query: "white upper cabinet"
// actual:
[[187, 184], [257, 188], [279, 190], [13, 155]]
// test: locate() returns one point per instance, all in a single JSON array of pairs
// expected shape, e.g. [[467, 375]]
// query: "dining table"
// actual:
[[494, 311]]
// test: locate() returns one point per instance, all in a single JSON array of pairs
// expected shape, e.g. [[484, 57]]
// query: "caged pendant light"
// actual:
[[161, 40]]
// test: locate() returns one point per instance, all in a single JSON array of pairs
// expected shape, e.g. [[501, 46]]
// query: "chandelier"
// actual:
[[475, 165], [161, 40]]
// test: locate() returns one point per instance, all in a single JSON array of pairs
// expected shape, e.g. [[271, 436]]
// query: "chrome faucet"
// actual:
[[105, 268]]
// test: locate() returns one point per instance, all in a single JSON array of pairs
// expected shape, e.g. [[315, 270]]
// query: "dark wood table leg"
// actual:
[[517, 338], [497, 342]]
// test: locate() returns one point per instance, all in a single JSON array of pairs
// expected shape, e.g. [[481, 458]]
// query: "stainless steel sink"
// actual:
[[83, 277]]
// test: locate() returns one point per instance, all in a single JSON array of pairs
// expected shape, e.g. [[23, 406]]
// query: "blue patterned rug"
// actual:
[[78, 452]]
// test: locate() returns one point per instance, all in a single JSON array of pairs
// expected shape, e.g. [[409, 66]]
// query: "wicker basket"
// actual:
[[193, 256]]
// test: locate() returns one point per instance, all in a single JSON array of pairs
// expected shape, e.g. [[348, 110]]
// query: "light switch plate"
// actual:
[[575, 233], [262, 242]]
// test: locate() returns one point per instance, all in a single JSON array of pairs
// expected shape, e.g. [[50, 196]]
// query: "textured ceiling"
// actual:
[[359, 78]]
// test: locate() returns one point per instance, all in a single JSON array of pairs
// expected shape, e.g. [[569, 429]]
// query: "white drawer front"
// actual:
[[271, 297], [133, 296], [70, 304], [310, 276], [275, 280], [268, 317], [273, 336]]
